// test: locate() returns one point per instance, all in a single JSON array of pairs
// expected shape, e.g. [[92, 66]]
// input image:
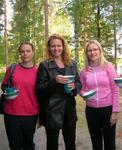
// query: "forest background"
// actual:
[[76, 20]]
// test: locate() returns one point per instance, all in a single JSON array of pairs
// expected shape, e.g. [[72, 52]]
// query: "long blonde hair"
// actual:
[[65, 55], [102, 62]]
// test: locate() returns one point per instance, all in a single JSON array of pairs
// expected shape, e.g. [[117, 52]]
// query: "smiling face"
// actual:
[[56, 48], [26, 53], [93, 53]]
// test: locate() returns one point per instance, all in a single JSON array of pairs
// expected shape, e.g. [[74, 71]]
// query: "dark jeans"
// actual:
[[100, 129], [69, 134], [20, 131]]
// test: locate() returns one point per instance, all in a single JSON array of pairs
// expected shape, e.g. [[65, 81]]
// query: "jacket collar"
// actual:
[[52, 64]]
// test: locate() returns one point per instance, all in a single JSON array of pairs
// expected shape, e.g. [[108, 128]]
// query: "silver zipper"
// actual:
[[96, 87]]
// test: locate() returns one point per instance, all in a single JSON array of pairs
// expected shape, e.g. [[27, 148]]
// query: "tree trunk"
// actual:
[[76, 44], [5, 34], [85, 24], [98, 22], [114, 28], [46, 19]]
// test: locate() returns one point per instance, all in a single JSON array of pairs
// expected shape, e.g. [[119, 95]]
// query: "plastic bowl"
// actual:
[[71, 78], [89, 95], [11, 95], [118, 81]]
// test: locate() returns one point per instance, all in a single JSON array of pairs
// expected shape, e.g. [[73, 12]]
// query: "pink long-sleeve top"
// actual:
[[101, 80]]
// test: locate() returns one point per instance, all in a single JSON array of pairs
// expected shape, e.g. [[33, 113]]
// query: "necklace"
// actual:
[[60, 64]]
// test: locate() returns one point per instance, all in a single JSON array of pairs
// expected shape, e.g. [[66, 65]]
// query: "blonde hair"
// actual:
[[65, 54], [102, 62]]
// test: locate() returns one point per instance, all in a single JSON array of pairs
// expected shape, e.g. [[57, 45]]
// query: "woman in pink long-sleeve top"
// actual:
[[102, 110]]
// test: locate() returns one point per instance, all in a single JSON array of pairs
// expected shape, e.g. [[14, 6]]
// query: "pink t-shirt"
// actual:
[[25, 104]]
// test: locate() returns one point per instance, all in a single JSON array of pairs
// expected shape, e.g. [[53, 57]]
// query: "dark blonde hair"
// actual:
[[26, 43], [65, 54], [102, 61]]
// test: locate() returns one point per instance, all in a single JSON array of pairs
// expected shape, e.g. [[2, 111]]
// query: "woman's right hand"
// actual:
[[61, 79]]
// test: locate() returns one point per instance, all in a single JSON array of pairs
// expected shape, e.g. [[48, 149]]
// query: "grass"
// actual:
[[121, 92], [1, 76], [80, 105]]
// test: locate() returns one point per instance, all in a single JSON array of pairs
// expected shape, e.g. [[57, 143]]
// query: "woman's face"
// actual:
[[93, 53], [56, 48], [26, 53]]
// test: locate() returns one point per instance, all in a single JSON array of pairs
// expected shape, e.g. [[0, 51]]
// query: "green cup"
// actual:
[[66, 88], [71, 78]]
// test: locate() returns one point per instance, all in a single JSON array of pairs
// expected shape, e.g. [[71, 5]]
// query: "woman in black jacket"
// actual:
[[57, 105]]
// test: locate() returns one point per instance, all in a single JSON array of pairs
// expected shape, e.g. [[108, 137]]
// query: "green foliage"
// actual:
[[1, 13], [1, 50], [77, 20], [1, 76], [94, 20], [75, 10], [27, 25]]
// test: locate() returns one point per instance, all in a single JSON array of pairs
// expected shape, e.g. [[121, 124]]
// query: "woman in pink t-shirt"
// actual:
[[21, 112], [102, 110]]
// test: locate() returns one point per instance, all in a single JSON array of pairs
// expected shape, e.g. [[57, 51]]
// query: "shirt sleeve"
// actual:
[[45, 85], [114, 88], [83, 81]]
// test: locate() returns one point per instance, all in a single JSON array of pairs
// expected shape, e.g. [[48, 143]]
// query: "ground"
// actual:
[[82, 137]]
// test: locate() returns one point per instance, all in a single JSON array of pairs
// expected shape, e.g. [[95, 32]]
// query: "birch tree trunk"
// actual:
[[46, 19], [114, 28], [5, 34]]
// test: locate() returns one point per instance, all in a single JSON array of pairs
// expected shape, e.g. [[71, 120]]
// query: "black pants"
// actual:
[[20, 131], [69, 134], [100, 129]]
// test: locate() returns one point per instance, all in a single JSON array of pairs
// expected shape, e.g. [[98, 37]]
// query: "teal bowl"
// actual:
[[118, 82], [11, 95], [89, 95]]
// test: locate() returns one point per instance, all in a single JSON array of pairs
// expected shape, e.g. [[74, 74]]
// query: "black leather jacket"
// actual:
[[53, 100]]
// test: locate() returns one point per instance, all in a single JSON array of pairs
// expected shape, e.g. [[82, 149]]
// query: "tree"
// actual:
[[46, 12], [96, 22], [77, 20], [27, 25], [5, 34], [1, 29], [75, 9], [1, 13]]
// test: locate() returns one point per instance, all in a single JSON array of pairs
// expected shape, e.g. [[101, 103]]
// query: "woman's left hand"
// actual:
[[114, 118], [71, 85]]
